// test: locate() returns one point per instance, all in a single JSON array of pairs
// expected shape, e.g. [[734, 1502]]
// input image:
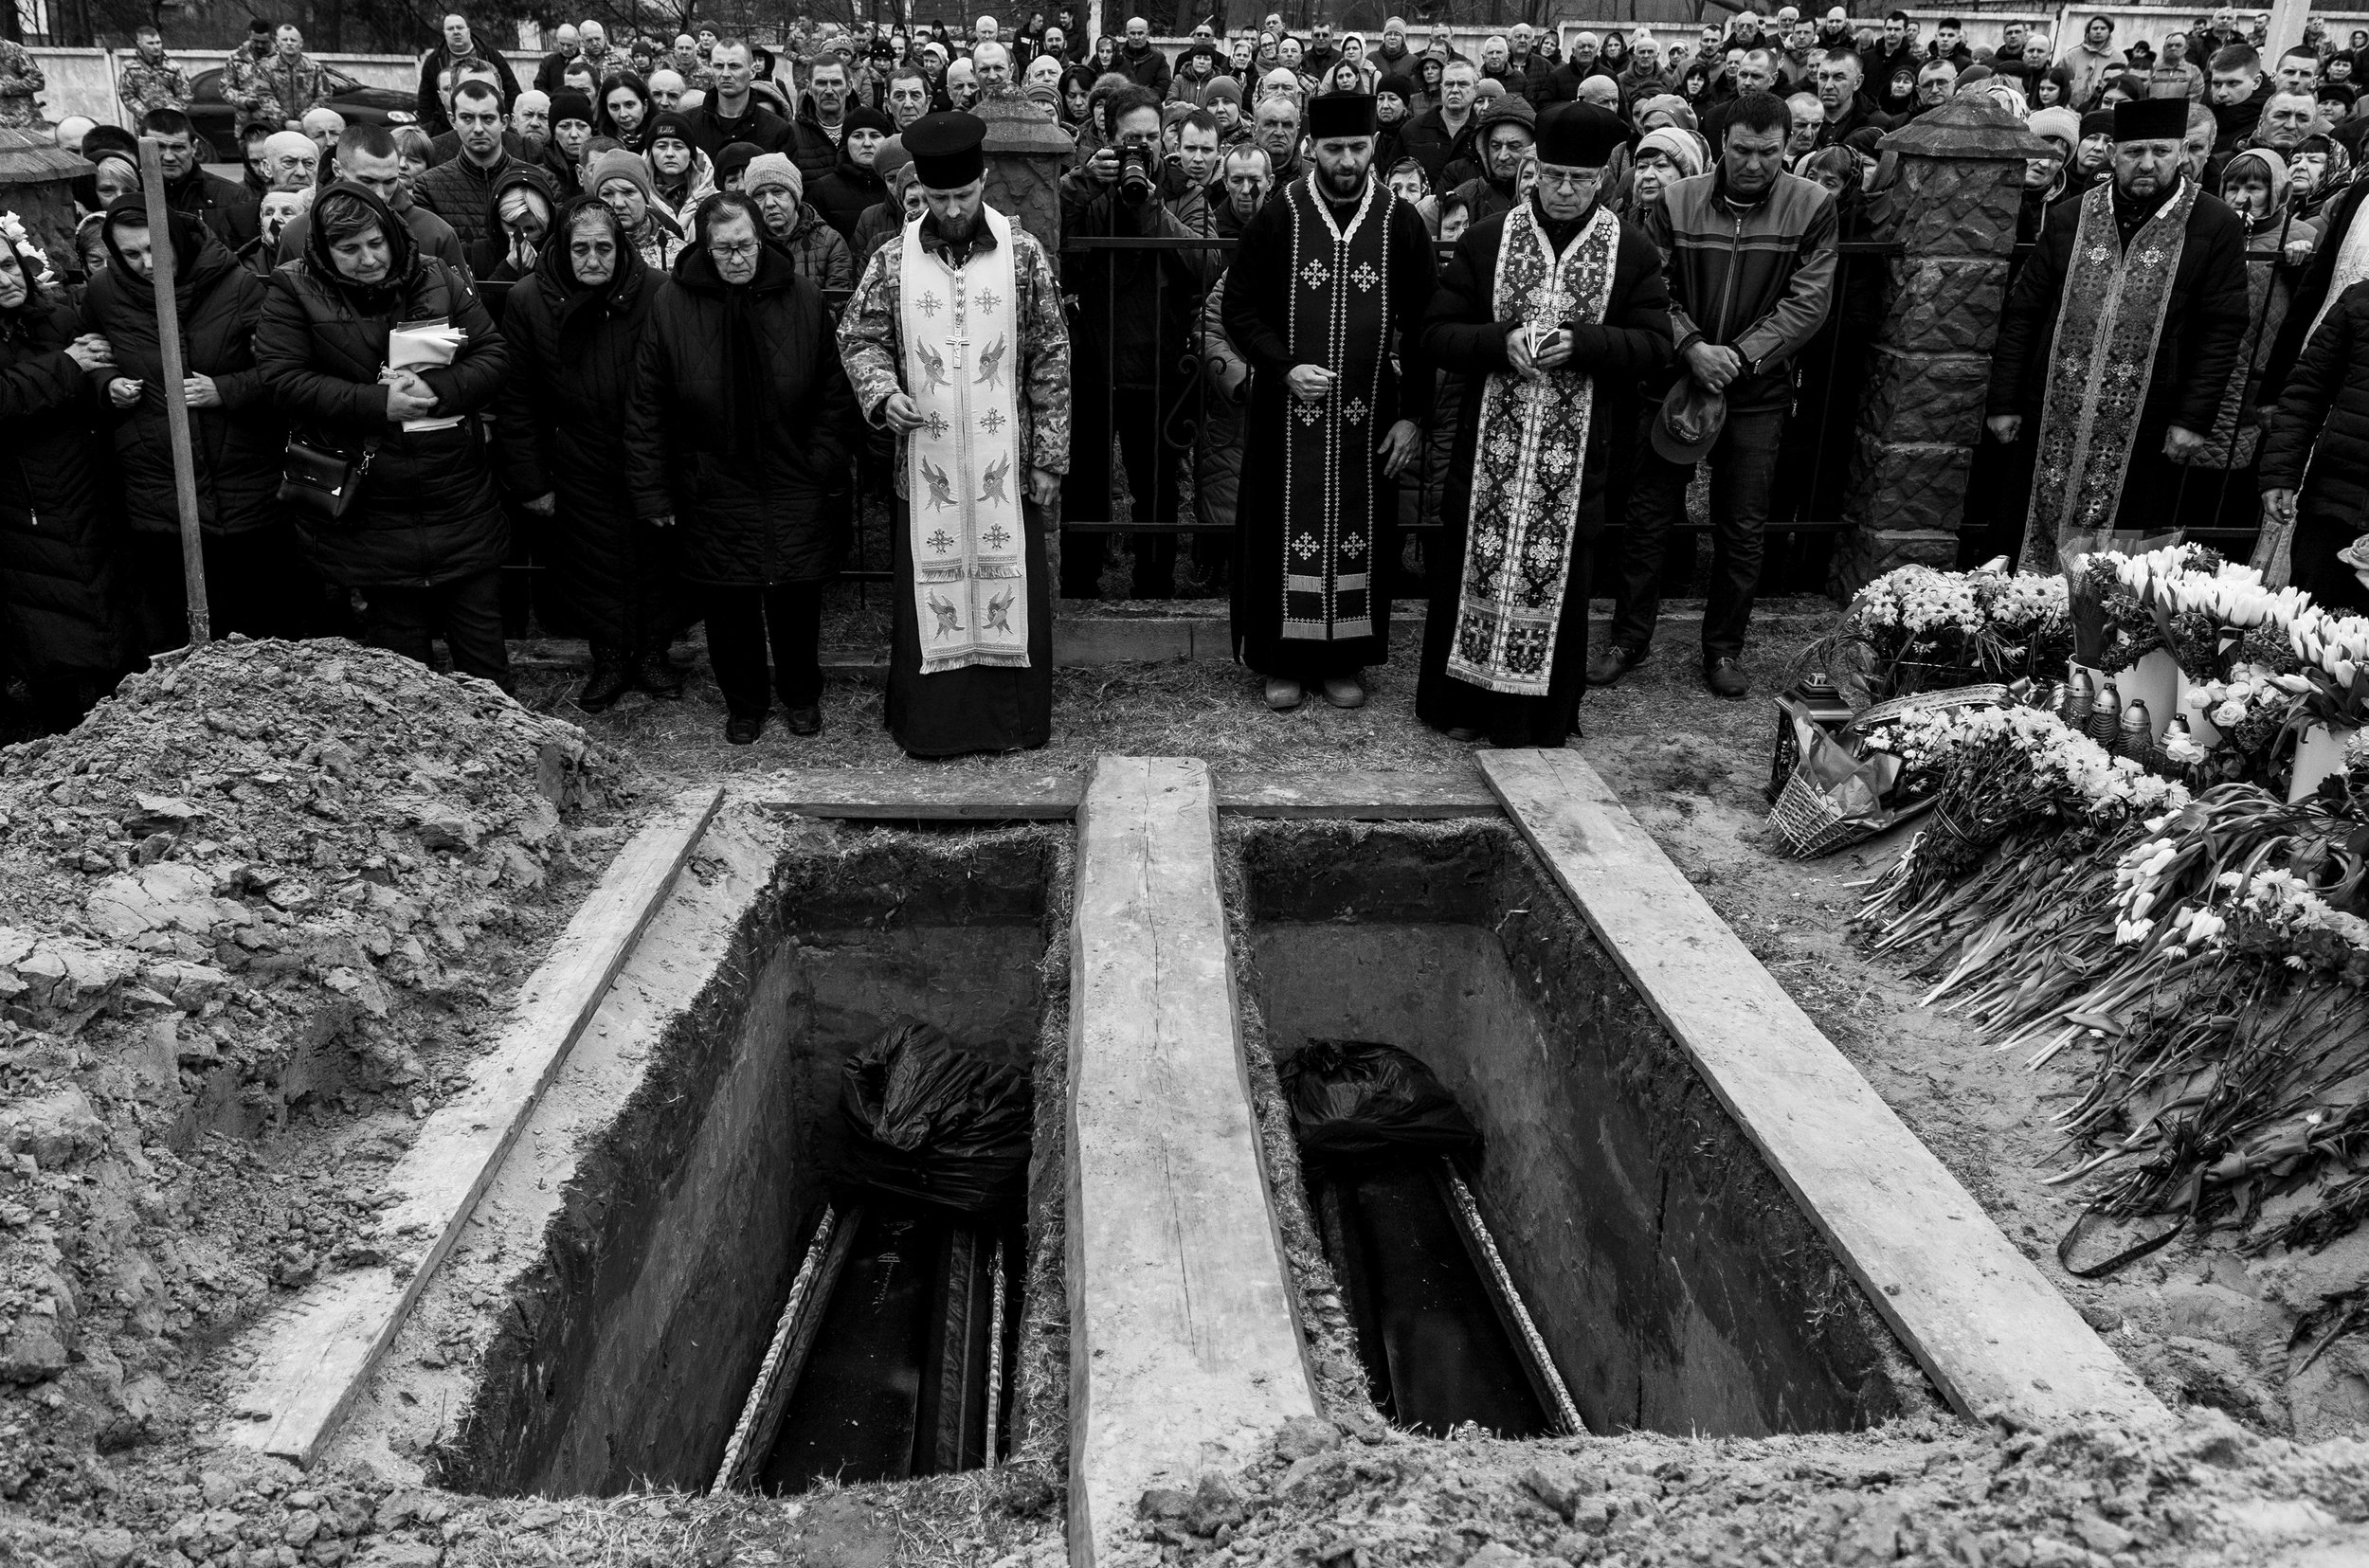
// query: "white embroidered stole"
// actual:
[[962, 474]]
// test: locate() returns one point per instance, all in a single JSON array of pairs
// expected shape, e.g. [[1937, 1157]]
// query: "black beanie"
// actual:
[[861, 118], [570, 104], [669, 122]]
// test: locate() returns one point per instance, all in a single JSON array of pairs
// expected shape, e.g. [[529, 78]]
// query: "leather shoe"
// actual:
[[805, 721], [1614, 662], [603, 685], [1344, 692], [1283, 695], [744, 729], [1725, 676], [656, 673]]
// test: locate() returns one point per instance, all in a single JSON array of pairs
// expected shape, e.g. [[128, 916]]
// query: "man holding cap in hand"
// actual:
[[1554, 311], [1750, 252]]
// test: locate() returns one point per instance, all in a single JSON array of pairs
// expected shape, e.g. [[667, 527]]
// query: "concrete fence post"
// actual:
[[1953, 209]]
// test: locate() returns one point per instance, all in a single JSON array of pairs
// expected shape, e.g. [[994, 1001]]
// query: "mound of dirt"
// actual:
[[250, 913]]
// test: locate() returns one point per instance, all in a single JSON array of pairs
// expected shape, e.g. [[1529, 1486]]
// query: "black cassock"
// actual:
[[1344, 287], [1463, 332]]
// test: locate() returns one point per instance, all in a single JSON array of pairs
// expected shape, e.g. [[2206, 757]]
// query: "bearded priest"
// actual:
[[1326, 301], [1554, 311], [954, 338]]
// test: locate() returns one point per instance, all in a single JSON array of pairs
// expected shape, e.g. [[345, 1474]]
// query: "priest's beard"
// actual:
[[1342, 185], [958, 231]]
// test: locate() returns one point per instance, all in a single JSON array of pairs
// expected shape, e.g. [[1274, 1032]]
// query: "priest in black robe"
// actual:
[[1554, 312], [1326, 301]]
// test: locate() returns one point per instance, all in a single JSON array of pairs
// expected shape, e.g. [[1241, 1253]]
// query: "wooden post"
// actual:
[[176, 403], [2285, 29]]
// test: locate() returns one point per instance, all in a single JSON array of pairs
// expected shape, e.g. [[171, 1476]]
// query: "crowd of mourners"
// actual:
[[637, 248]]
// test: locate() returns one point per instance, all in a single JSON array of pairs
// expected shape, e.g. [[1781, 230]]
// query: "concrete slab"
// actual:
[[1363, 796], [1185, 1350], [1986, 1325], [314, 1356]]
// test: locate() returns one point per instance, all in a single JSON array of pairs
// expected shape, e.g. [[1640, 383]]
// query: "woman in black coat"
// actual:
[[254, 583], [2315, 461], [425, 539], [574, 330], [1467, 331], [61, 602], [737, 432]]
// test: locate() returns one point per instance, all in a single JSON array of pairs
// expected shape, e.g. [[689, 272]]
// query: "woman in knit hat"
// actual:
[[733, 162], [621, 181], [682, 176], [794, 227], [852, 187]]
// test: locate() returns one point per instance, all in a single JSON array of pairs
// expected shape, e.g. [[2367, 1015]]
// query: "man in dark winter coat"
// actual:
[[737, 350], [1140, 61], [455, 45], [2145, 268], [851, 187], [575, 331], [461, 190], [255, 585], [1505, 646], [226, 207], [2315, 461], [731, 113], [424, 539]]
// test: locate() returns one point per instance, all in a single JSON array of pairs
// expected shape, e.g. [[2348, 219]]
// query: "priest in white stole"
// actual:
[[1554, 311], [955, 340]]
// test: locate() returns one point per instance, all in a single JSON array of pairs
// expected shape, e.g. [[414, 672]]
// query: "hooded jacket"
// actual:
[[574, 349], [238, 445], [490, 258], [723, 369], [426, 511]]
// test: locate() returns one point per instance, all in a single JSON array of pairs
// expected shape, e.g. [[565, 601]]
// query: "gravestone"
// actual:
[[1953, 209], [35, 174], [1026, 152]]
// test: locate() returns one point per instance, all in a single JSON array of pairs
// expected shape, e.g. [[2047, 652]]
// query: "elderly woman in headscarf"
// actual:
[[2317, 175], [236, 436], [575, 329], [63, 614], [682, 176], [423, 539], [739, 351], [621, 179], [793, 225]]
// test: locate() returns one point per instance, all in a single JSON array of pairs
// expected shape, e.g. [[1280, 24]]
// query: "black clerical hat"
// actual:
[[2151, 119], [1580, 135], [1341, 114], [947, 149]]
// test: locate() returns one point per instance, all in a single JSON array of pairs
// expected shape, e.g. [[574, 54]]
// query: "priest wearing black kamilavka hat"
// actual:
[[1554, 311], [1331, 280], [954, 339], [2121, 335]]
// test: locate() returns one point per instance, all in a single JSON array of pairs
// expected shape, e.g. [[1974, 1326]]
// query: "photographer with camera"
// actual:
[[1133, 312]]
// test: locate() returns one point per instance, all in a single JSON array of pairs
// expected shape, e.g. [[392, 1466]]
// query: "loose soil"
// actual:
[[259, 907]]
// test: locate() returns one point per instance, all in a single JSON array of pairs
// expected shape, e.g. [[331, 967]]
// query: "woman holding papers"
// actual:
[[381, 358]]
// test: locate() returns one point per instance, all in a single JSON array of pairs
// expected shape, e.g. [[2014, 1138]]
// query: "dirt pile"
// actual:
[[250, 913], [2203, 1491]]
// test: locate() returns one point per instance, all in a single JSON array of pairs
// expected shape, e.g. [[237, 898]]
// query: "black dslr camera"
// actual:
[[1135, 182]]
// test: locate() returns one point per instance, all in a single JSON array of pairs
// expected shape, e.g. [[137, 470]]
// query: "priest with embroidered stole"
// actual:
[[2121, 334], [1326, 301], [1554, 312], [954, 338]]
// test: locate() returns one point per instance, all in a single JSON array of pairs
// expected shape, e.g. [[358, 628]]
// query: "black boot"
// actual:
[[609, 679], [656, 673]]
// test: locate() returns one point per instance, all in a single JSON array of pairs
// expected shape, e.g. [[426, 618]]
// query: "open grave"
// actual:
[[1683, 1211]]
